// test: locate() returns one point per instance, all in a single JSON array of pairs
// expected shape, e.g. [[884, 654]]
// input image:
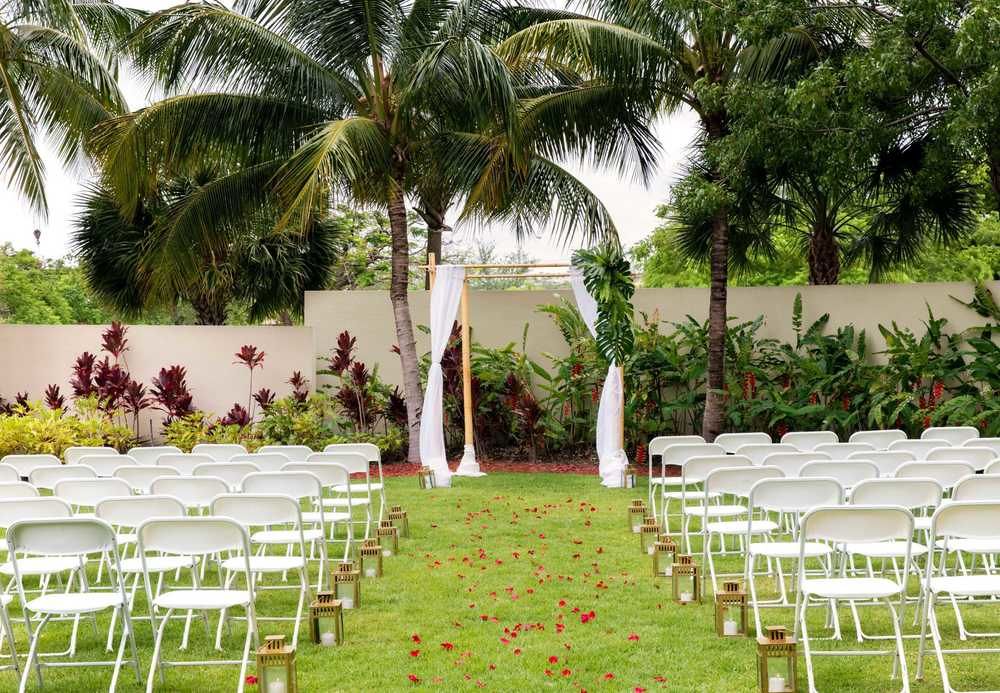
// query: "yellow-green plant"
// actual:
[[36, 429]]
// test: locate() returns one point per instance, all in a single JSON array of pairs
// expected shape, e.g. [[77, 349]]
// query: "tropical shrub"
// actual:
[[34, 428]]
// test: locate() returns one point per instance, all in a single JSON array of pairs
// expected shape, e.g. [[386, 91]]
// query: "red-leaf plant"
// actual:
[[529, 414], [300, 387], [170, 393], [249, 356], [82, 381], [54, 400], [237, 416], [264, 398]]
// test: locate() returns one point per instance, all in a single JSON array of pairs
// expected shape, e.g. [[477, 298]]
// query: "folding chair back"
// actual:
[[849, 473], [132, 511], [55, 536], [978, 487], [796, 495], [791, 463], [369, 450], [880, 440], [194, 492], [47, 477], [25, 463], [140, 477], [697, 469], [184, 463], [841, 451], [967, 520], [86, 493], [680, 453], [731, 442], [738, 481], [918, 448], [857, 524], [73, 454], [105, 465], [265, 461], [887, 461], [15, 509], [230, 472], [294, 453], [993, 468], [911, 493], [955, 435], [17, 489], [330, 474], [8, 474], [760, 452], [991, 443], [660, 443], [808, 440], [220, 452], [945, 473], [978, 457], [147, 455], [353, 462], [259, 509], [193, 536]]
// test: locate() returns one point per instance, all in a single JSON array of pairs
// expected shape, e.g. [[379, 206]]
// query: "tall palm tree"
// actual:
[[56, 79], [323, 99], [678, 54]]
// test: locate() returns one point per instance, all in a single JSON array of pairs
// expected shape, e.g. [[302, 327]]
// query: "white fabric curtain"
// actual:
[[445, 297], [611, 456]]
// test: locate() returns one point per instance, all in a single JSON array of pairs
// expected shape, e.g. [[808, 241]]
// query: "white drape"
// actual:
[[445, 297], [611, 457]]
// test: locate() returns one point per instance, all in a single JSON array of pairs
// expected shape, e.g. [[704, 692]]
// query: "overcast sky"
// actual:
[[631, 205]]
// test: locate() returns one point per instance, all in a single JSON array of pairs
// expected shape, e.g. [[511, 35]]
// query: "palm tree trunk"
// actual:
[[994, 165], [715, 413], [824, 255], [209, 310], [436, 226], [398, 295]]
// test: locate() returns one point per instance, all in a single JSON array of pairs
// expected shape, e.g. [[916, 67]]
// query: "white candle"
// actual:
[[386, 552], [328, 639], [651, 550], [729, 627], [687, 597], [776, 684], [668, 570], [369, 572], [347, 602], [275, 687], [635, 529]]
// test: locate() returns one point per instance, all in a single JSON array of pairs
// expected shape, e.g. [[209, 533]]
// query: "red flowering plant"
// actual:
[[252, 358]]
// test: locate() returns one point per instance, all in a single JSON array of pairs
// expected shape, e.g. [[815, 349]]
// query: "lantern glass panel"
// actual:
[[274, 679], [636, 514], [345, 593], [328, 631]]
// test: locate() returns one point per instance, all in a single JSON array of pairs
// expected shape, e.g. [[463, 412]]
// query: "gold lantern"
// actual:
[[371, 558], [649, 530], [347, 585], [628, 476], [636, 513], [776, 661], [426, 477], [400, 521], [664, 554], [326, 620], [276, 666], [731, 610], [388, 537], [686, 580]]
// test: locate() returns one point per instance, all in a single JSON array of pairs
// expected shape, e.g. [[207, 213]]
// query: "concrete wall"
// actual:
[[498, 317], [33, 356]]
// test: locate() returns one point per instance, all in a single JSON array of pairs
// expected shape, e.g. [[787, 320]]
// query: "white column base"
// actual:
[[468, 466]]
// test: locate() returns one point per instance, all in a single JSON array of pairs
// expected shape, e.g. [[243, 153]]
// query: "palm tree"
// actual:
[[56, 80], [670, 56], [323, 99]]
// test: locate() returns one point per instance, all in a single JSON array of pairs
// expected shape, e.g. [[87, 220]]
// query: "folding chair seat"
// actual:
[[200, 537], [105, 465], [47, 477], [841, 451], [731, 442], [848, 473], [140, 477], [73, 539], [855, 524], [979, 458], [958, 521], [880, 440], [791, 463], [954, 435], [758, 452], [72, 455], [887, 461], [294, 453], [808, 440], [195, 492], [918, 448], [230, 472], [184, 463], [265, 461], [24, 464], [148, 455], [219, 452]]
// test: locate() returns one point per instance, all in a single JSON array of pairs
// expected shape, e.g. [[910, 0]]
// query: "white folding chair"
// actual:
[[887, 461], [86, 493], [230, 472], [694, 472], [848, 473], [71, 538], [880, 440], [105, 465], [24, 464], [918, 448], [758, 452], [265, 461], [356, 465], [733, 483], [302, 486], [654, 460], [184, 463], [945, 473], [17, 489], [195, 492], [791, 463], [147, 455], [220, 452], [336, 507], [967, 521], [47, 477], [980, 458], [294, 453], [854, 525], [731, 442], [791, 498], [73, 454], [674, 454], [954, 435], [993, 468], [841, 451], [140, 477], [8, 474], [808, 440], [268, 512], [197, 537], [978, 487], [374, 456], [991, 443]]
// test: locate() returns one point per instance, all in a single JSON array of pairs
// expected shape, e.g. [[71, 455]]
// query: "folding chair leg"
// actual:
[[33, 657], [806, 649], [921, 650], [900, 657], [8, 632], [251, 633], [304, 586], [154, 664]]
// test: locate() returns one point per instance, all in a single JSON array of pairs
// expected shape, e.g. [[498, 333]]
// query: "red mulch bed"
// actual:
[[586, 467]]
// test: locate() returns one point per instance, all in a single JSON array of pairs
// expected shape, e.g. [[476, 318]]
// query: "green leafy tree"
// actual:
[[40, 292]]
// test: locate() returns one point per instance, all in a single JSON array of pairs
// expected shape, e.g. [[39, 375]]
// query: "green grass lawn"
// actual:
[[489, 591]]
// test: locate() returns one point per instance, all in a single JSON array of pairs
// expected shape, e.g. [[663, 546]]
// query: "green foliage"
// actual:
[[40, 292], [199, 427], [608, 278], [36, 429]]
